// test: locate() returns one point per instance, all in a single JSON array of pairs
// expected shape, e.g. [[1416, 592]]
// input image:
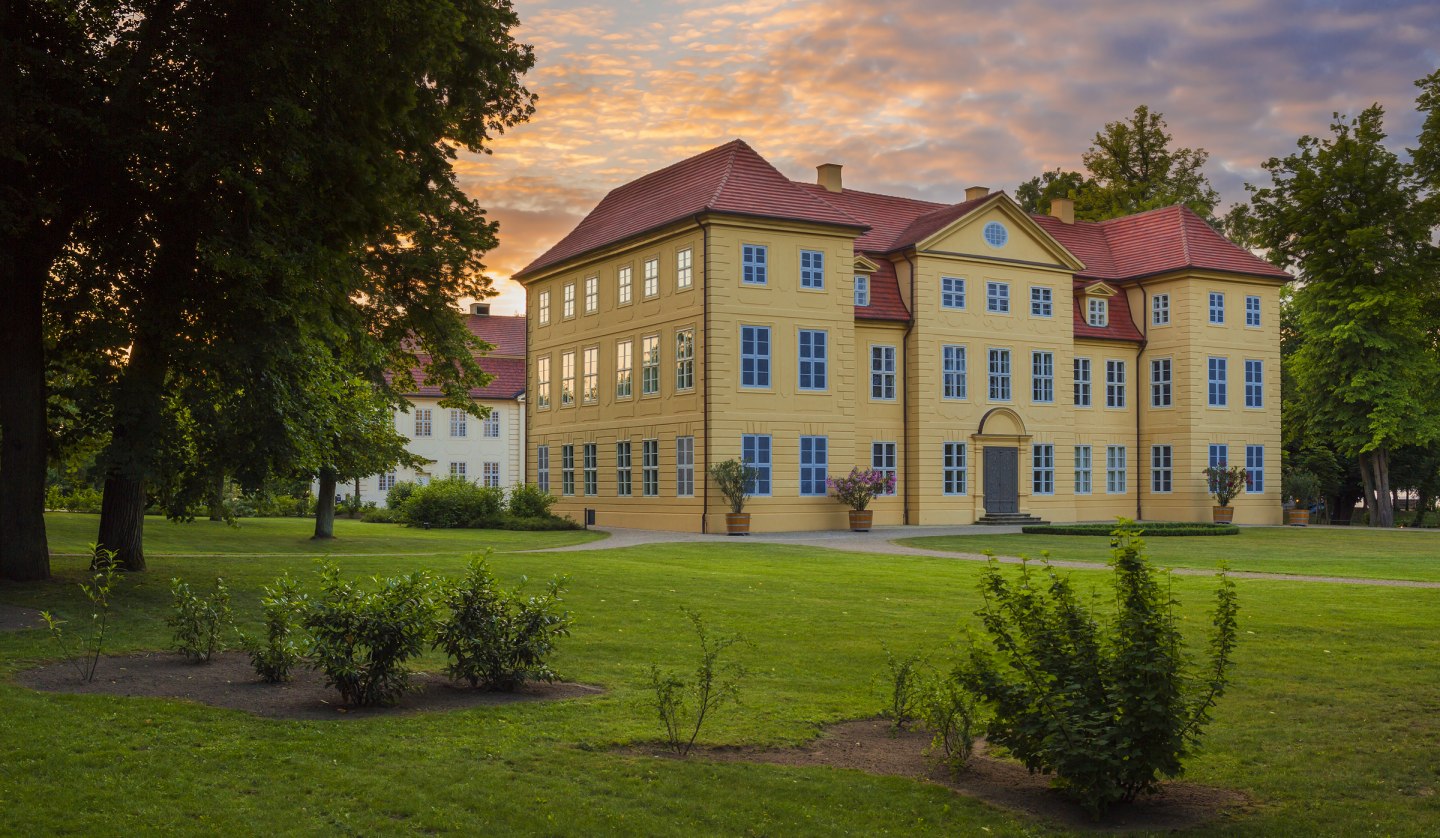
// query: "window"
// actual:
[[490, 474], [862, 290], [812, 360], [882, 373], [1162, 464], [1254, 469], [623, 279], [684, 270], [1082, 469], [1114, 383], [1219, 458], [491, 426], [952, 292], [542, 383], [458, 424], [1098, 314], [882, 459], [1000, 375], [997, 297], [650, 468], [386, 481], [651, 278], [1042, 469], [956, 479], [812, 269], [953, 377], [591, 464], [592, 294], [422, 421], [422, 479], [755, 452], [542, 468], [1160, 310], [1252, 312], [1082, 382], [1217, 307], [1115, 469], [567, 378], [1160, 380], [1254, 383], [754, 356], [624, 355], [1042, 303], [753, 259], [543, 312], [622, 468], [995, 234], [649, 365], [567, 470], [1042, 377], [685, 359], [814, 465], [684, 466], [457, 471], [590, 376], [567, 305], [1217, 376]]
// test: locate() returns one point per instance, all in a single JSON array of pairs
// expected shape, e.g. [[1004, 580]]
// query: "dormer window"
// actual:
[[1099, 312], [862, 290]]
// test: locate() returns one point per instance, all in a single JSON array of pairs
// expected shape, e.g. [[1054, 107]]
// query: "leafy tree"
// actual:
[[1036, 193], [1349, 216], [1133, 168]]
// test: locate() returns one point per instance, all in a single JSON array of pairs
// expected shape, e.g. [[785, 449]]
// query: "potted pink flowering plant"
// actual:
[[857, 489]]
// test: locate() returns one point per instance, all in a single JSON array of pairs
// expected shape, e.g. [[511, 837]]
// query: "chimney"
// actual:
[[1063, 209], [480, 309], [973, 192], [828, 176]]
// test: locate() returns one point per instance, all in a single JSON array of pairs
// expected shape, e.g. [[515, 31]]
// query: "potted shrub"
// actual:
[[1225, 484], [1302, 487], [734, 479], [857, 490]]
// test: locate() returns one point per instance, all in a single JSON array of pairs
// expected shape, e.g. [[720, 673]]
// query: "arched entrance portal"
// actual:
[[997, 442]]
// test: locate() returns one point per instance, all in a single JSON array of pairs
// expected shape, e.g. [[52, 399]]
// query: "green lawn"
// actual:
[[1330, 726], [1318, 551]]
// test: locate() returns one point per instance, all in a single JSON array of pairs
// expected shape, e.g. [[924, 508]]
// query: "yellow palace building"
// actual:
[[1000, 364]]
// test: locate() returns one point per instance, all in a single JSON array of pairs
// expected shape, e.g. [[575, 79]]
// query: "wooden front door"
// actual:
[[1002, 479]]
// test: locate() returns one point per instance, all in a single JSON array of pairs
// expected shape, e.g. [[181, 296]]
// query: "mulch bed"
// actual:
[[15, 618], [872, 746], [228, 681]]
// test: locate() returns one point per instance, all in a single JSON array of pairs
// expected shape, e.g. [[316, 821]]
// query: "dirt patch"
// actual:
[[15, 618], [228, 681], [872, 746]]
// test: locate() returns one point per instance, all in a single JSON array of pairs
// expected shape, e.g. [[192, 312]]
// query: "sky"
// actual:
[[925, 97]]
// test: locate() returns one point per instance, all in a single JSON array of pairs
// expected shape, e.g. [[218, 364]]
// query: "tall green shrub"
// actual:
[[454, 502], [277, 652], [198, 619], [497, 638]]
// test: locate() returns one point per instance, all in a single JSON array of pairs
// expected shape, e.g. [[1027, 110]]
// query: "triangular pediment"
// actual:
[[1100, 289], [865, 266], [1001, 207]]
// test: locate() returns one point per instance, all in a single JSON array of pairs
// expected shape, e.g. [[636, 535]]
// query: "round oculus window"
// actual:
[[995, 234]]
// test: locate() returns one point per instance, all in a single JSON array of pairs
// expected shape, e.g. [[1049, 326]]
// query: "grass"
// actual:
[[1330, 725], [1316, 551]]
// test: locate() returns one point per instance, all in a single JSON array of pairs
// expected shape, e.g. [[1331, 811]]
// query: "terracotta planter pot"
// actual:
[[860, 519], [1222, 514], [1297, 517], [737, 523]]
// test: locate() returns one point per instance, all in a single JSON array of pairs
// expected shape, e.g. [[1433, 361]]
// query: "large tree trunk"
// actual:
[[24, 553], [137, 422], [122, 523], [217, 496], [1375, 471], [325, 504]]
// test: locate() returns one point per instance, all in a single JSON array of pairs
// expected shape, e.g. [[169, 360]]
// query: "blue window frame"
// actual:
[[999, 375], [882, 373], [1219, 458], [952, 292], [755, 452], [1042, 302], [882, 459], [814, 465], [953, 373], [754, 356], [1252, 311], [1042, 377], [812, 269], [1042, 469], [1219, 385], [997, 297], [1217, 307], [1254, 383], [1254, 469], [754, 260], [862, 290], [956, 476], [1162, 469], [812, 360]]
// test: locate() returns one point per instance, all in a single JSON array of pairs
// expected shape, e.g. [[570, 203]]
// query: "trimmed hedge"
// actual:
[[1155, 529]]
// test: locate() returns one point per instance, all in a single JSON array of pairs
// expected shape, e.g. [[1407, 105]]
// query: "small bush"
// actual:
[[361, 639], [546, 524], [381, 515], [274, 655], [527, 501], [949, 712], [398, 494], [198, 620], [84, 653], [82, 499], [684, 707], [454, 502], [1156, 529], [904, 681], [498, 639]]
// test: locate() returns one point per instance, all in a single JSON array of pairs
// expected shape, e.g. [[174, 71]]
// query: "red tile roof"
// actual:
[[885, 302], [1120, 324], [505, 332], [931, 223], [508, 382], [887, 215], [732, 178]]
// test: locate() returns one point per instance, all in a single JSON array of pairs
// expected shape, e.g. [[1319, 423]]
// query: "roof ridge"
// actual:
[[845, 190], [729, 167], [1185, 231]]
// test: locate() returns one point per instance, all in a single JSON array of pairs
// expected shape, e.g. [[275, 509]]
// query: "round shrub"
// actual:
[[528, 501], [1156, 529], [399, 493], [454, 502]]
